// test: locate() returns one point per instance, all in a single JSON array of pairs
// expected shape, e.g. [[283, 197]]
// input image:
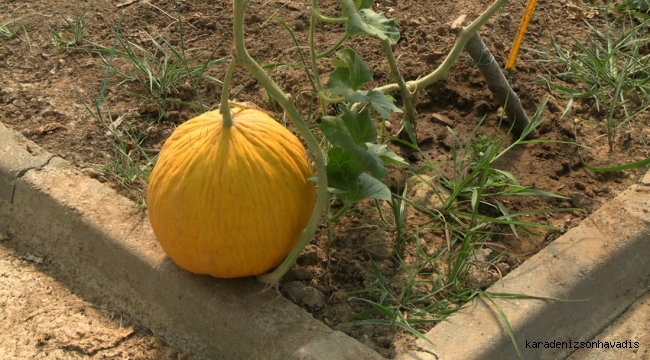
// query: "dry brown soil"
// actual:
[[42, 319], [37, 99]]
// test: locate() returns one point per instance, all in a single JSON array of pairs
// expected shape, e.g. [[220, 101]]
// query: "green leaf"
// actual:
[[382, 103], [348, 184], [386, 154], [474, 200], [363, 4], [634, 165], [511, 332], [506, 215], [524, 190], [337, 161], [352, 140], [360, 125], [352, 189], [350, 75], [367, 22]]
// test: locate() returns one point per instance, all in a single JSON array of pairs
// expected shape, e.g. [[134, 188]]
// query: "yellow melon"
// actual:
[[230, 202]]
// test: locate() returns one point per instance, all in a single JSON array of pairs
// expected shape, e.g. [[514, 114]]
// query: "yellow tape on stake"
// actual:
[[520, 34]]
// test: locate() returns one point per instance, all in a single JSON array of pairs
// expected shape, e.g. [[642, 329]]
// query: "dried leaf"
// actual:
[[49, 128], [579, 12]]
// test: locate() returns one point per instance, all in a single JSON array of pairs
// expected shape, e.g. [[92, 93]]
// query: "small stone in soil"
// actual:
[[92, 173], [301, 273], [483, 255], [582, 201], [345, 327], [377, 245], [313, 299], [173, 116], [427, 191], [580, 186], [312, 255], [604, 190], [303, 295]]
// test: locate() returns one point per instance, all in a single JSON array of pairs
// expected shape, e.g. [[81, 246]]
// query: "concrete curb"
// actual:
[[89, 232]]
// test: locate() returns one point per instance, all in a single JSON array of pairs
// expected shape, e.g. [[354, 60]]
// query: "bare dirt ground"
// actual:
[[42, 319], [37, 80]]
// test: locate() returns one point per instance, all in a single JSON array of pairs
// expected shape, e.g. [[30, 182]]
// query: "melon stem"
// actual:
[[463, 36], [312, 52], [224, 108], [314, 150]]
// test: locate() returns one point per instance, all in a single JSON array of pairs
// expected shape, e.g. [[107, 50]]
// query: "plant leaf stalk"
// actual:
[[224, 107], [312, 52], [410, 119], [333, 48], [323, 18], [243, 59], [464, 34]]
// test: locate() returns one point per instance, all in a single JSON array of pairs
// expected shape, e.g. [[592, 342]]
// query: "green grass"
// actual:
[[472, 214], [162, 69], [169, 75], [159, 70], [612, 67], [76, 27], [130, 164], [10, 29]]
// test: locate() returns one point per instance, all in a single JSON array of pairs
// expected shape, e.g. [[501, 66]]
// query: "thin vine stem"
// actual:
[[314, 150], [330, 100], [407, 96], [441, 72], [224, 107], [338, 215], [333, 48], [299, 50], [312, 53], [326, 19]]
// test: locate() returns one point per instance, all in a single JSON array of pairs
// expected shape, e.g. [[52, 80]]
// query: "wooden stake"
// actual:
[[520, 34]]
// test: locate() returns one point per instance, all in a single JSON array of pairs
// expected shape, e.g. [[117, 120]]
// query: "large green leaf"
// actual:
[[349, 186], [340, 135], [382, 103], [350, 75], [386, 154], [363, 4], [368, 22], [351, 189], [360, 125]]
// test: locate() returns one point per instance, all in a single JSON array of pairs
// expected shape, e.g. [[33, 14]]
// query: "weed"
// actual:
[[473, 212], [76, 26], [162, 70], [130, 164], [611, 67], [9, 29]]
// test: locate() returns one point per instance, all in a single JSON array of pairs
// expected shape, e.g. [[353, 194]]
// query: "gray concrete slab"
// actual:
[[628, 337], [17, 155]]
